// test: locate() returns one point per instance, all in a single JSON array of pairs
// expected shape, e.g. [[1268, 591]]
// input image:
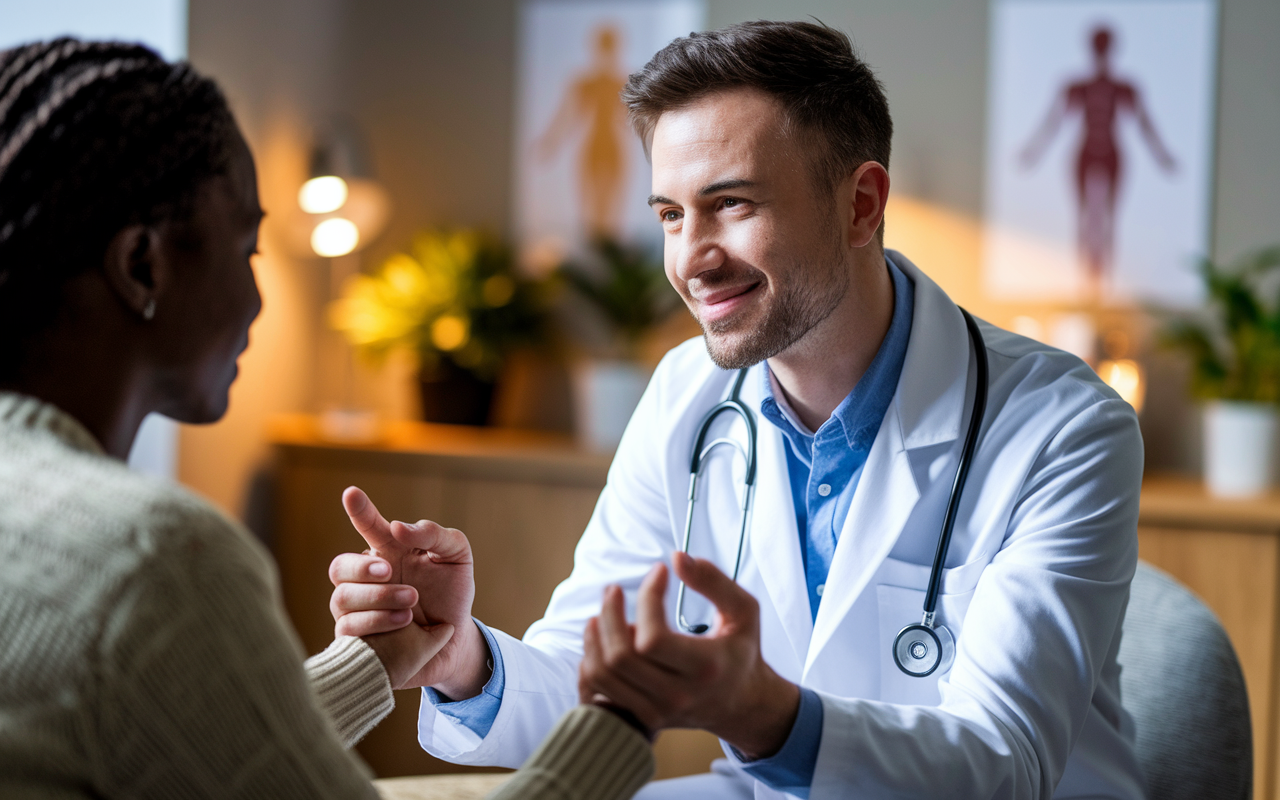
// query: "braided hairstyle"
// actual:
[[94, 136]]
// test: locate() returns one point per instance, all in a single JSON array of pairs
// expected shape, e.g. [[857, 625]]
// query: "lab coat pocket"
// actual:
[[899, 607]]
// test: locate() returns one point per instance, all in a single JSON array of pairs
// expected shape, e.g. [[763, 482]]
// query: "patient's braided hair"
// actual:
[[94, 136]]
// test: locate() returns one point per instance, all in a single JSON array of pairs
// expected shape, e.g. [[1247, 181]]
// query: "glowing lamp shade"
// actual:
[[322, 195], [1126, 378], [335, 237]]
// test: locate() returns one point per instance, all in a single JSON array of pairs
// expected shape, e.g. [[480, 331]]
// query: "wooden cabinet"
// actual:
[[1228, 553], [524, 498]]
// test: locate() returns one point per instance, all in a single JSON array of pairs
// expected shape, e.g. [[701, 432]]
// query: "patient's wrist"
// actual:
[[627, 717], [475, 667]]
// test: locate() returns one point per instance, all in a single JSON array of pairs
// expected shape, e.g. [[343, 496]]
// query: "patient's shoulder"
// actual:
[[81, 522]]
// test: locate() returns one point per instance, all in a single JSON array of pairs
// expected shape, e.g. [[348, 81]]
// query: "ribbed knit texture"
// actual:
[[144, 652], [352, 686], [590, 755]]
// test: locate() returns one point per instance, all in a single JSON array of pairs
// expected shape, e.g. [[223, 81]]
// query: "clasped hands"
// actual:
[[410, 597]]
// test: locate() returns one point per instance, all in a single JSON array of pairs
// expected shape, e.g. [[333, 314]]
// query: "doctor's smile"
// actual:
[[713, 308]]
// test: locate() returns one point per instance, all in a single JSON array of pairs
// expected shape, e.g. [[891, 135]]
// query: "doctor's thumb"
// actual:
[[704, 577]]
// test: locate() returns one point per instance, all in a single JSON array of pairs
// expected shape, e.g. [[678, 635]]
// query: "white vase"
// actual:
[[605, 395], [1239, 440]]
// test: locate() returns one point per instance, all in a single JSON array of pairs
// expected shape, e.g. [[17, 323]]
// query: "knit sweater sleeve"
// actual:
[[591, 754], [201, 687], [352, 686]]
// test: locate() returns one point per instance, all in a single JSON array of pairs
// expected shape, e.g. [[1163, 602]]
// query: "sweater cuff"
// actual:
[[353, 687], [591, 754]]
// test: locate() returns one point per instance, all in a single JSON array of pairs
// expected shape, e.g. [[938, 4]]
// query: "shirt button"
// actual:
[[824, 489], [821, 588]]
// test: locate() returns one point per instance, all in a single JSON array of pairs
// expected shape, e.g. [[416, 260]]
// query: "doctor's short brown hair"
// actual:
[[830, 96]]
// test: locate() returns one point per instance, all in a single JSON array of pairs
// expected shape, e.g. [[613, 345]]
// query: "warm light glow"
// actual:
[[335, 237], [497, 291], [322, 195], [1126, 378], [449, 333]]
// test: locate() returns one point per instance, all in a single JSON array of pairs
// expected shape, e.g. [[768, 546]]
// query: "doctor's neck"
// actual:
[[824, 365]]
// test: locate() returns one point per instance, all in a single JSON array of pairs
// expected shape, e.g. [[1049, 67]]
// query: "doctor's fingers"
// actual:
[[446, 545], [651, 607], [365, 517], [350, 597], [594, 677], [619, 652], [368, 623], [358, 568], [738, 609]]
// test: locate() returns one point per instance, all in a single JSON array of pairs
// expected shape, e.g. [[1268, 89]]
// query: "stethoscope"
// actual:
[[918, 650]]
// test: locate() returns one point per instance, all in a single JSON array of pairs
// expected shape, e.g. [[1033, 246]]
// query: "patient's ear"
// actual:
[[135, 269]]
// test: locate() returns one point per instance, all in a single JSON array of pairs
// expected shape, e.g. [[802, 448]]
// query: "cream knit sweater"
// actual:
[[144, 652]]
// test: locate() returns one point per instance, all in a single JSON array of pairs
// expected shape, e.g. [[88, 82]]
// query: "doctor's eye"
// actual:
[[669, 215]]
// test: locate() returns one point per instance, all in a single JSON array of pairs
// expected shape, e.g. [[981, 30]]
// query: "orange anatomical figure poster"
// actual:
[[580, 171]]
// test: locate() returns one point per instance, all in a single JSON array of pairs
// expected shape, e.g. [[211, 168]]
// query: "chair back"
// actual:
[[1182, 684]]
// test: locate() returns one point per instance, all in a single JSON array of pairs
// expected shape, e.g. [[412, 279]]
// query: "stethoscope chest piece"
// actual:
[[920, 650]]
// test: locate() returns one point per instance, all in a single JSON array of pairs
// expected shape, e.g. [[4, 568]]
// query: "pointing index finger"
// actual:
[[365, 517]]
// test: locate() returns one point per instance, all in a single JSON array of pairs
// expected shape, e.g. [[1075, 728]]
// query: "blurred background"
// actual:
[[474, 250]]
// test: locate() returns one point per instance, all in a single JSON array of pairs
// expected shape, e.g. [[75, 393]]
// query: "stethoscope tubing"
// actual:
[[735, 405], [962, 471]]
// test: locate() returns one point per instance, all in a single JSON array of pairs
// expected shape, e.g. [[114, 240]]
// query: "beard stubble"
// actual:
[[811, 293]]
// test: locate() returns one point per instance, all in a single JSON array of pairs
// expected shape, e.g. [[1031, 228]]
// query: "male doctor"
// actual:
[[769, 143]]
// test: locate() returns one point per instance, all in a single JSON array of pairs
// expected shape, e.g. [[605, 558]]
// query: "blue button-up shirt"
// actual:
[[824, 467]]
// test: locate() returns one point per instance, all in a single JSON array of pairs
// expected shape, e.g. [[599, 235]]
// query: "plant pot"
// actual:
[[454, 396], [1238, 447], [605, 394]]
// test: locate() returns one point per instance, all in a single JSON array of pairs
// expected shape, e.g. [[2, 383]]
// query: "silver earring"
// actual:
[[149, 312]]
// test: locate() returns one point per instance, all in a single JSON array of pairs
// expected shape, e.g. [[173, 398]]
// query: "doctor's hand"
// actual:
[[413, 576], [718, 682]]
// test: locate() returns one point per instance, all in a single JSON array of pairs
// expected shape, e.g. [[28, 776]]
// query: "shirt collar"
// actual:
[[861, 412]]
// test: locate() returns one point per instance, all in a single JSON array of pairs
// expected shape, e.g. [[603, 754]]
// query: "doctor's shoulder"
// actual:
[[1048, 389]]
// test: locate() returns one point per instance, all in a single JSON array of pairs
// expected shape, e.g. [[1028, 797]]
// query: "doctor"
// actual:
[[769, 144]]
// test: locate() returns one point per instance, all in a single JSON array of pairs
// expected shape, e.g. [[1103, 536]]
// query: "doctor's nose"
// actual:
[[698, 250]]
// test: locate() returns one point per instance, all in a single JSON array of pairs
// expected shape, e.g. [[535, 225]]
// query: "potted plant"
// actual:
[[1235, 355], [456, 300], [628, 291]]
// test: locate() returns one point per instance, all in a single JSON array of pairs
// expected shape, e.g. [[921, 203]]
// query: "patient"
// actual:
[[144, 652]]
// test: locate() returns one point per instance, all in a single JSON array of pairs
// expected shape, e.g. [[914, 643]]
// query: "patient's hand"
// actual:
[[406, 653], [420, 574]]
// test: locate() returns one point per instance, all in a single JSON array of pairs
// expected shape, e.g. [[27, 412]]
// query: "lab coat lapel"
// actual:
[[884, 499], [926, 410], [775, 541]]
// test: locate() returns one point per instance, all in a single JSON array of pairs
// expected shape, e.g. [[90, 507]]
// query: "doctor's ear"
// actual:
[[866, 192], [135, 269]]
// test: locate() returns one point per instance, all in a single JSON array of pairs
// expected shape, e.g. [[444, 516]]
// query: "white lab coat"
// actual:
[[1035, 588]]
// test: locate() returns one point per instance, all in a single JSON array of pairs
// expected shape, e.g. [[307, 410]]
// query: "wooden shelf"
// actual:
[[462, 450], [1183, 502]]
